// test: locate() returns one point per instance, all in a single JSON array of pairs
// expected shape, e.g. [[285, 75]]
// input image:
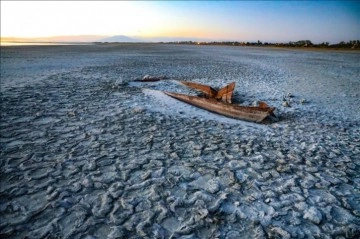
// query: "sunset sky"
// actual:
[[277, 21]]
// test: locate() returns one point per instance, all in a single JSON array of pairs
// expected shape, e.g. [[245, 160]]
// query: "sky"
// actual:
[[271, 21]]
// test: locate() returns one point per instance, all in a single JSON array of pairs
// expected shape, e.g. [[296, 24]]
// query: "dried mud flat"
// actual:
[[85, 153]]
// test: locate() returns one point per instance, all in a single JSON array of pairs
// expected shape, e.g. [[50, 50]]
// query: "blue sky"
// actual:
[[272, 21]]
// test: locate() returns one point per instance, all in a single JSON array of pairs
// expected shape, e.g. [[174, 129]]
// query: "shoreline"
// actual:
[[356, 50], [320, 49]]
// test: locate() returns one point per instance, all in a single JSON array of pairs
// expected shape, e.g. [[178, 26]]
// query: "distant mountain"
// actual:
[[119, 38]]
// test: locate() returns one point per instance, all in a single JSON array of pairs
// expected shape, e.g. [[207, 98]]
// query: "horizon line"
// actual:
[[135, 39]]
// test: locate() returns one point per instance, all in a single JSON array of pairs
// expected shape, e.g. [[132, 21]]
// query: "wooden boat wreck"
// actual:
[[224, 94], [148, 78], [248, 113]]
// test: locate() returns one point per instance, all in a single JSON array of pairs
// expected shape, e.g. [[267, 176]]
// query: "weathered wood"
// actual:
[[148, 78], [207, 90], [249, 113], [224, 94]]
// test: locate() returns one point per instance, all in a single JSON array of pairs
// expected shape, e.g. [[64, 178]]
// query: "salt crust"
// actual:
[[86, 153]]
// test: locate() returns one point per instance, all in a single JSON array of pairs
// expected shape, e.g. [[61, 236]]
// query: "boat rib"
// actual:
[[223, 94], [226, 92]]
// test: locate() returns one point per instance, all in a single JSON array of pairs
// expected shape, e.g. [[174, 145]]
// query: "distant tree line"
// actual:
[[353, 44]]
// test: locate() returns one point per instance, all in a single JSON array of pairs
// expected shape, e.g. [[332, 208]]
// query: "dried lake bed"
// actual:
[[88, 153]]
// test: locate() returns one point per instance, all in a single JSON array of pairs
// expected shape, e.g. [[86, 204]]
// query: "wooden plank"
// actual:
[[207, 90]]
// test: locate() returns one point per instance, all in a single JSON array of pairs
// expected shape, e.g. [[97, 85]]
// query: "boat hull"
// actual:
[[248, 113]]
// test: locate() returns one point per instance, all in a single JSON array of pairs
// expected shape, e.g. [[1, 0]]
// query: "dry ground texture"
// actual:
[[85, 153]]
